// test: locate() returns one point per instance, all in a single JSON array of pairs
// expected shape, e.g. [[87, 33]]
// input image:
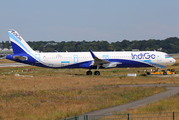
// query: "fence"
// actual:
[[127, 116]]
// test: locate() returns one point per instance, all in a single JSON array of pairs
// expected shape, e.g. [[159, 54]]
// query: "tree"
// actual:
[[110, 47]]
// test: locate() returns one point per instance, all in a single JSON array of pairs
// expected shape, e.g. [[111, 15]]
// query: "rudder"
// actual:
[[18, 43]]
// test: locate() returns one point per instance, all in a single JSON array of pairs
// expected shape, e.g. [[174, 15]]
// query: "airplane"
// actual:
[[23, 53]]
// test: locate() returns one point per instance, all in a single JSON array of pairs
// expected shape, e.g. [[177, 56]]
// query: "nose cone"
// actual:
[[174, 61]]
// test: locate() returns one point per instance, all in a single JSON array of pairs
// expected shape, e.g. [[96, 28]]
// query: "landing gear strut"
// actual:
[[97, 72]]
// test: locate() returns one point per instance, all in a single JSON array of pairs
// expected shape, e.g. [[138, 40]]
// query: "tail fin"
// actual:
[[18, 43]]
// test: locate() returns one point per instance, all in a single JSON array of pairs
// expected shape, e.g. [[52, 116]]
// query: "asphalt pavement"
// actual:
[[12, 65], [171, 90]]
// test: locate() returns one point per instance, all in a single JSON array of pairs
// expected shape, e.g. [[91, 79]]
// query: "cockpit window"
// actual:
[[167, 56]]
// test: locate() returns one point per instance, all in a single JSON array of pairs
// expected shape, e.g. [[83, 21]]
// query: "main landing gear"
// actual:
[[90, 73], [95, 73]]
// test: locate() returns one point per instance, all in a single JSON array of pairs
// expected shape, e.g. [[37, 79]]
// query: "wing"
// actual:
[[101, 62]]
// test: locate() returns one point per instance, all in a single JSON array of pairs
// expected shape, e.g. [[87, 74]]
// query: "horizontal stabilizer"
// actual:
[[22, 58]]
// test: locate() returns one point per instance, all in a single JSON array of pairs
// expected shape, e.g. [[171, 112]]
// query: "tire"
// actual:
[[96, 73], [88, 73]]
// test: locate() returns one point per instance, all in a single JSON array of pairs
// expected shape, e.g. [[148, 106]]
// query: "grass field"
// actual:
[[161, 110], [55, 94]]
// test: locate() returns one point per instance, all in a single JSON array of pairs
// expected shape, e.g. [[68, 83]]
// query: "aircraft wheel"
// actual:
[[88, 73], [96, 73]]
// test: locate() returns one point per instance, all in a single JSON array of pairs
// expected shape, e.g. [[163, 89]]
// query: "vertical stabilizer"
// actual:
[[18, 43]]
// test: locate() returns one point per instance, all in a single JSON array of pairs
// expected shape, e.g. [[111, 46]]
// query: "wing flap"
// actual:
[[111, 64]]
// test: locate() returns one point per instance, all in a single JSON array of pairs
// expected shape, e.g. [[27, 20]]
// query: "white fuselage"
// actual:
[[62, 59]]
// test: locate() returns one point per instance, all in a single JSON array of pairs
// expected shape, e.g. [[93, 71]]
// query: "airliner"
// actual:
[[23, 53]]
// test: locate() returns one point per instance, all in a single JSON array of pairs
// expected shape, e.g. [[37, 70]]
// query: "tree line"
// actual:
[[169, 45]]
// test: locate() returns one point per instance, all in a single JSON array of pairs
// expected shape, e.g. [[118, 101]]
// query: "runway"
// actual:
[[13, 65], [135, 104]]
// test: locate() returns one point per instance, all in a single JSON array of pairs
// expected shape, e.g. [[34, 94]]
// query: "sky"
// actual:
[[90, 20]]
